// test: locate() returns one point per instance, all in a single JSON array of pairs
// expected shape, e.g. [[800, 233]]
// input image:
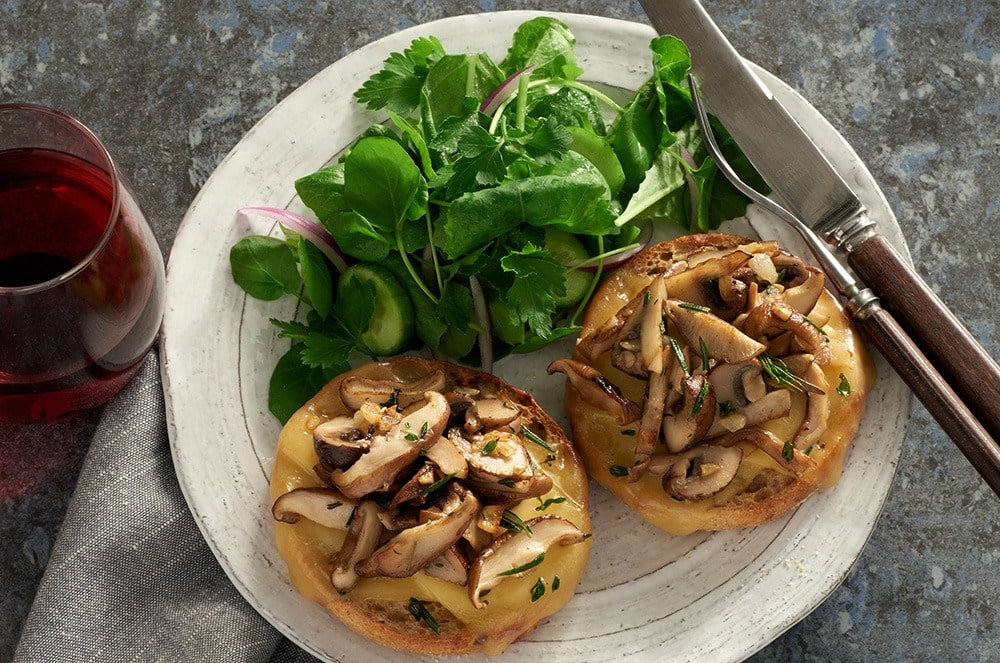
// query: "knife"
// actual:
[[805, 184]]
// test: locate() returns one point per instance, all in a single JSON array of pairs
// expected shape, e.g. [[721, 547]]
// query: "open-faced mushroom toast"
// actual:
[[716, 384], [430, 507]]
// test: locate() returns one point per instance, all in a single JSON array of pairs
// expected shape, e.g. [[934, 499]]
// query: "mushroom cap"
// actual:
[[702, 472]]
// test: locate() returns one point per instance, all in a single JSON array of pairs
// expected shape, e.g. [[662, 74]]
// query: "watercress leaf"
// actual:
[[537, 280], [671, 62], [316, 277], [397, 85], [412, 132], [323, 191], [636, 139], [265, 267], [356, 237], [450, 82], [293, 383], [380, 182], [544, 42], [455, 305]]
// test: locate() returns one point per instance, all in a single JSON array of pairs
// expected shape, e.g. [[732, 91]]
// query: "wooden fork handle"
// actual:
[[934, 392], [951, 348]]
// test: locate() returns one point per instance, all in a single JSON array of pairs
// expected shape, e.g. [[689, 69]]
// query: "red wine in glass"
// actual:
[[81, 275]]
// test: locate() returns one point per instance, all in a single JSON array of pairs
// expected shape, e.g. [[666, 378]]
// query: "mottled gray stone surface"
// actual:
[[914, 86]]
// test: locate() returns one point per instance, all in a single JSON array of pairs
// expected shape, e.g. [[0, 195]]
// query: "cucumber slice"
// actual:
[[392, 324], [567, 249], [597, 151]]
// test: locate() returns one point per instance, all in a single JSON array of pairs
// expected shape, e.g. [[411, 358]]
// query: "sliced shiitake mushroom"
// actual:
[[597, 390], [415, 547], [514, 553], [489, 413], [355, 390], [690, 422], [722, 340], [339, 442], [324, 506], [361, 540], [784, 453], [393, 451], [451, 566], [699, 472]]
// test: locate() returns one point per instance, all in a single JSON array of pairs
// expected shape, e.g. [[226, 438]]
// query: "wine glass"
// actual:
[[81, 274]]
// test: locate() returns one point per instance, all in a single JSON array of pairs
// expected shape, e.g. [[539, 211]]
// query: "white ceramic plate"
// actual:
[[702, 597]]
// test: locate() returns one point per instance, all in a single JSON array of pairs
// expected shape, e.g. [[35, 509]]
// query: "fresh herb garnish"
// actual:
[[459, 182], [676, 348], [421, 614], [524, 567], [778, 371], [513, 522], [507, 481], [333, 505], [427, 490], [704, 353], [531, 435], [537, 590], [630, 432], [489, 447], [788, 451], [726, 408], [549, 502], [555, 583], [694, 307], [699, 401], [844, 388], [618, 471]]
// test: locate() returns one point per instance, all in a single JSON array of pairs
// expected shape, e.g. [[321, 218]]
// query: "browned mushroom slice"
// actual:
[[500, 468], [596, 390], [414, 548], [451, 566], [803, 297], [648, 433], [722, 340], [324, 506], [691, 421], [739, 383], [784, 453], [514, 553], [339, 442], [772, 405], [393, 451], [356, 390], [734, 292], [448, 459], [773, 318], [603, 338], [701, 472], [415, 489], [792, 271], [488, 413], [695, 284], [361, 540], [626, 353], [817, 403], [651, 328]]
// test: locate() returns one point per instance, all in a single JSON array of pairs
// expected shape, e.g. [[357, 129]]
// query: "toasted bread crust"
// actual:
[[378, 608], [763, 490]]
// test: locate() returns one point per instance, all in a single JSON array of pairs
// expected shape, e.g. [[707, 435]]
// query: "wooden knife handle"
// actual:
[[935, 393], [949, 345]]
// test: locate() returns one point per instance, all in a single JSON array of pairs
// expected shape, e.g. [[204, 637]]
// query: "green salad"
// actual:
[[479, 217]]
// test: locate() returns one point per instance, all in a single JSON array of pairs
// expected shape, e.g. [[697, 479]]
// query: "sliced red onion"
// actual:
[[502, 92], [483, 319], [642, 242], [312, 231]]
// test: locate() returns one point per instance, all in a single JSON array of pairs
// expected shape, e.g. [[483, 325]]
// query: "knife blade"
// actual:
[[804, 182]]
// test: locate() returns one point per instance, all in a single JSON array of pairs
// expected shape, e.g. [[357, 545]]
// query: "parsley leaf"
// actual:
[[537, 279], [397, 86]]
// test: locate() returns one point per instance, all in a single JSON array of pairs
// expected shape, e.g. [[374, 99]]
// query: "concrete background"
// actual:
[[913, 85]]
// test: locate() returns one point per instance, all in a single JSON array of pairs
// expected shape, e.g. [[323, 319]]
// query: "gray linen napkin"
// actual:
[[130, 577]]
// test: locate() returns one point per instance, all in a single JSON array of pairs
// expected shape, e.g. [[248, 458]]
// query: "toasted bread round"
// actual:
[[403, 612], [667, 444]]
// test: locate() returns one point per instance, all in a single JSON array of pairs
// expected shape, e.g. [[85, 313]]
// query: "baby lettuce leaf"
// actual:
[[453, 80], [545, 43], [265, 267]]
